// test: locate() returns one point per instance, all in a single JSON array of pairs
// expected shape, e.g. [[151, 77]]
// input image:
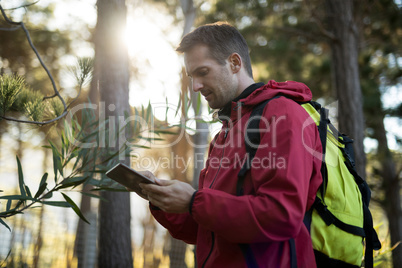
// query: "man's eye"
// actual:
[[203, 73]]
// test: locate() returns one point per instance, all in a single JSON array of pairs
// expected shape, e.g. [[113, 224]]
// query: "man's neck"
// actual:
[[244, 83]]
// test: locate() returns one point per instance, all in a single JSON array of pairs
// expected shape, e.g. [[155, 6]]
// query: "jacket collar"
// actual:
[[226, 111]]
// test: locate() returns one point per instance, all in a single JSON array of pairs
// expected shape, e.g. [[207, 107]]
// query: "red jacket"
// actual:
[[281, 186]]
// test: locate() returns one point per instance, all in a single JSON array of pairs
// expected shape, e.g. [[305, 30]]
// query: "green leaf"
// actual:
[[44, 179], [149, 112], [48, 195], [198, 104], [56, 162], [75, 208], [63, 145], [135, 121], [167, 110], [56, 203], [178, 106], [5, 224], [93, 182], [42, 185], [16, 197], [8, 204], [21, 178], [79, 156], [19, 203], [5, 259], [142, 111], [28, 191], [70, 182]]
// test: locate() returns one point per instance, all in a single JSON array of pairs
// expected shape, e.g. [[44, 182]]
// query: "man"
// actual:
[[282, 183]]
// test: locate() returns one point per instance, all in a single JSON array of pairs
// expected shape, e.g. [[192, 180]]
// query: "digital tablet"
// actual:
[[128, 177]]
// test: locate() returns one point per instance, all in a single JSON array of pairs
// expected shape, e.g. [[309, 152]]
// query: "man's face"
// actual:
[[216, 82]]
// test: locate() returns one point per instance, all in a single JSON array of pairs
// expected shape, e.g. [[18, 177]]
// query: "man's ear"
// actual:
[[235, 62]]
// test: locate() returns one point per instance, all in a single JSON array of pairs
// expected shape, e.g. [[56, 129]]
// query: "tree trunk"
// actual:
[[39, 239], [81, 242], [391, 186], [178, 248], [81, 234], [345, 51], [111, 76]]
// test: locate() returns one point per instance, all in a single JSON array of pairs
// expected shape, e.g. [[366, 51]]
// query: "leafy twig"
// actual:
[[57, 93]]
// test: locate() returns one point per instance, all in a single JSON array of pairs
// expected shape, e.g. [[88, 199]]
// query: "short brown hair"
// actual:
[[222, 39]]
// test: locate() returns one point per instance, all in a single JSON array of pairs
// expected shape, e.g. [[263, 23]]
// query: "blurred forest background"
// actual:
[[348, 52]]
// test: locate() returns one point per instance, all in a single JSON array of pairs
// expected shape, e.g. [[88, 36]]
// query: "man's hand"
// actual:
[[139, 190], [170, 196]]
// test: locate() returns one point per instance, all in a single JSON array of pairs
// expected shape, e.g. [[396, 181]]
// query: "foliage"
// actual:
[[10, 87], [81, 155], [16, 96], [34, 108], [82, 71], [70, 153], [285, 43], [381, 257]]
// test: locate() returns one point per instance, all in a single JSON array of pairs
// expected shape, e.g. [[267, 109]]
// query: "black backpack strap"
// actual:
[[322, 129], [372, 241], [330, 218], [293, 256], [252, 141], [248, 255]]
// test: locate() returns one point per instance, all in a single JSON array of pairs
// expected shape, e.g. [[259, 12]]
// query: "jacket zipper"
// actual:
[[210, 186], [212, 247]]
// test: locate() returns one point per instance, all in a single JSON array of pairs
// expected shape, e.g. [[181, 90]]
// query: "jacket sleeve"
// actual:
[[283, 192], [180, 226]]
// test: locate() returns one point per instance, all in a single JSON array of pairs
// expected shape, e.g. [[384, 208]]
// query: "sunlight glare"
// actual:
[[151, 38]]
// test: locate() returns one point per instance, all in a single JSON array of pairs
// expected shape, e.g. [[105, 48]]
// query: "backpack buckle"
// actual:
[[323, 211]]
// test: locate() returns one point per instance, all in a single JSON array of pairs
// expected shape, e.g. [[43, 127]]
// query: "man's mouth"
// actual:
[[207, 95]]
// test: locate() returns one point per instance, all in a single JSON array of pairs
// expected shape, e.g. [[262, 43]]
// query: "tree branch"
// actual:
[[23, 6], [318, 22], [9, 29], [41, 123], [57, 93]]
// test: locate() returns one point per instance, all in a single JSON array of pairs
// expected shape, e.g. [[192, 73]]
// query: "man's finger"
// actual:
[[164, 182], [156, 201], [156, 188]]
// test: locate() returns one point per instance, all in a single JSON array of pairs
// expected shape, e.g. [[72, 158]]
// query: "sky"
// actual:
[[150, 36]]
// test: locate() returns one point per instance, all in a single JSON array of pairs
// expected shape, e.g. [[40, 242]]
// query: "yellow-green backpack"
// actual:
[[340, 222]]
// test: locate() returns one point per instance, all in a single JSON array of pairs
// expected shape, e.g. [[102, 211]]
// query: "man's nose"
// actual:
[[197, 85]]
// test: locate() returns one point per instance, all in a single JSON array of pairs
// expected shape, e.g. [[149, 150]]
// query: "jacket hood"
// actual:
[[293, 90]]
